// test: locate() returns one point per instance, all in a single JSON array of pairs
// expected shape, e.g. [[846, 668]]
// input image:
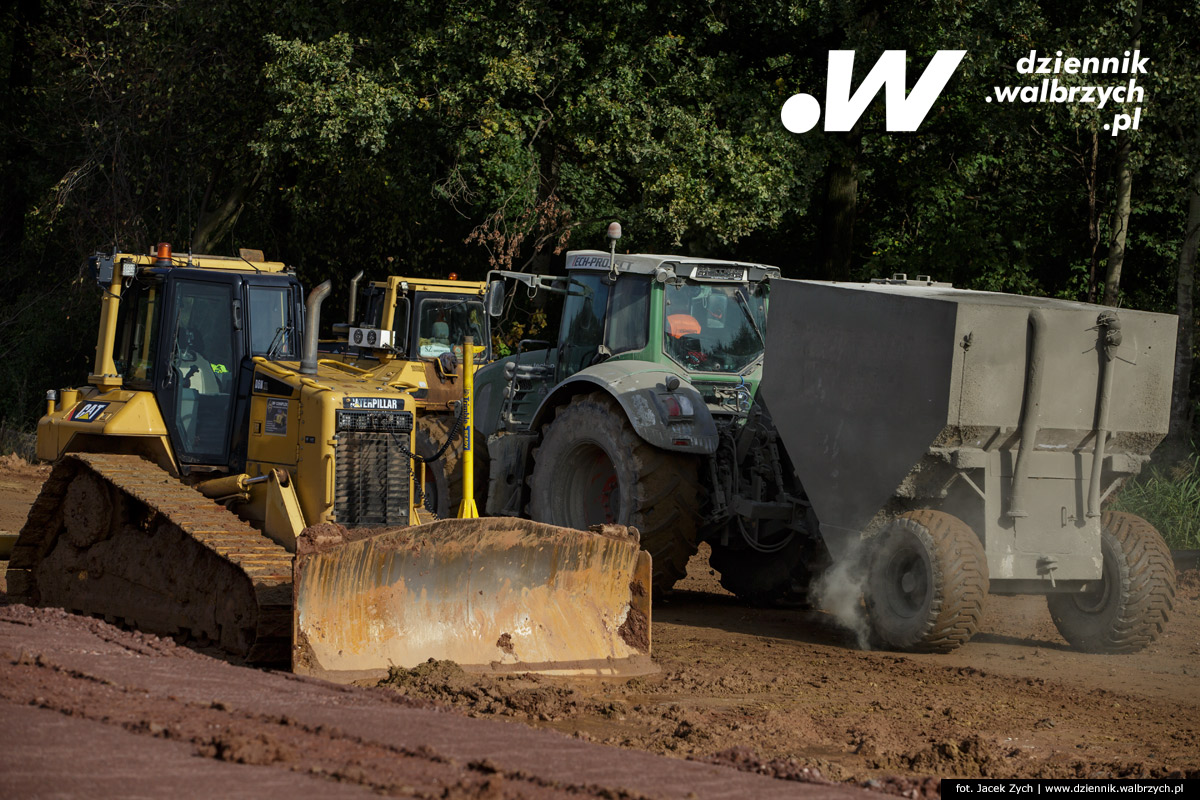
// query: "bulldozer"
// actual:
[[220, 482], [925, 444], [424, 322]]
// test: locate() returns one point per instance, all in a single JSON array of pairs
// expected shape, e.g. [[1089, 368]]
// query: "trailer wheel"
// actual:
[[1136, 594], [593, 468], [926, 580]]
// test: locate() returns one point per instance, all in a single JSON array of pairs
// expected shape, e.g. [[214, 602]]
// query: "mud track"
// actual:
[[778, 692]]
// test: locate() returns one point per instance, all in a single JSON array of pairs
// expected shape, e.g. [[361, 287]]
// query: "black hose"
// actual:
[[455, 432]]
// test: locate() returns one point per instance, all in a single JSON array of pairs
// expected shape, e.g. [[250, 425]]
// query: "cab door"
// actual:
[[202, 349]]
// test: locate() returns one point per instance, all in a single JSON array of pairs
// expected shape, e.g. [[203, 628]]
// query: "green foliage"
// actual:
[[1169, 499], [410, 137], [536, 124]]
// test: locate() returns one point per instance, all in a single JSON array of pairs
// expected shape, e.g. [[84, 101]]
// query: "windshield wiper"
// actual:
[[278, 342], [745, 307]]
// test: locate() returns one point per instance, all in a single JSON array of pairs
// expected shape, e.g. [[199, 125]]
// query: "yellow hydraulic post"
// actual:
[[468, 510]]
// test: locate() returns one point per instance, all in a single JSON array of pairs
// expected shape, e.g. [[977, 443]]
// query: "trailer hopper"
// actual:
[[973, 438]]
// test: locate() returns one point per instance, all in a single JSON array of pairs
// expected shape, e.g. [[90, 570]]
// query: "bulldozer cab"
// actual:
[[188, 336], [428, 319]]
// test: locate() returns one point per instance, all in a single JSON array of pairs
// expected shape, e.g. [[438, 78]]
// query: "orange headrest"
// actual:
[[682, 324]]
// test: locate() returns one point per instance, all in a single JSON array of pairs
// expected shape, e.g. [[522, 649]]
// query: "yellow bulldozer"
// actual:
[[219, 481], [424, 323]]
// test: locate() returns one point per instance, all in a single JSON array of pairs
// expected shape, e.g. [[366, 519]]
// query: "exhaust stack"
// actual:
[[312, 309], [353, 297]]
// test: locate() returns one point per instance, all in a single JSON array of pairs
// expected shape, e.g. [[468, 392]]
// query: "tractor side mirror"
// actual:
[[495, 298]]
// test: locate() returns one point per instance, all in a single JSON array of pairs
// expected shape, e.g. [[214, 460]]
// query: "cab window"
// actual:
[[137, 345], [582, 330], [202, 369], [444, 323], [713, 327], [273, 329], [628, 323]]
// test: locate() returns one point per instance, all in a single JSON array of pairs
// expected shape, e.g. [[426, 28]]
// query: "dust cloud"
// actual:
[[839, 592]]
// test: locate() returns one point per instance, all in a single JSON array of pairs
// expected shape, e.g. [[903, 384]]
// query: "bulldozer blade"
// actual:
[[494, 595]]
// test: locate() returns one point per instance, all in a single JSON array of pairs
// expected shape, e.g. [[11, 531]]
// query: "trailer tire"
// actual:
[[1136, 596], [926, 580], [591, 468]]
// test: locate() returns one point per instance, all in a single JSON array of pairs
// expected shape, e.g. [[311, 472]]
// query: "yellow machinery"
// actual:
[[425, 324], [218, 481]]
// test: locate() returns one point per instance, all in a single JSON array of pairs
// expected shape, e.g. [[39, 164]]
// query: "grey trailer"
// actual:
[[960, 442]]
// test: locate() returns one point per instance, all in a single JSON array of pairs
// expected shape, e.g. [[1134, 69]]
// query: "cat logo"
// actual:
[[88, 412]]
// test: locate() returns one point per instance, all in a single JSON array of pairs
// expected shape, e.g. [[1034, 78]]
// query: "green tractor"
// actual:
[[643, 414]]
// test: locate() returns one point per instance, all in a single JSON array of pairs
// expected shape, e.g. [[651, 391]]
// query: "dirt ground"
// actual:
[[19, 484], [787, 693], [790, 688]]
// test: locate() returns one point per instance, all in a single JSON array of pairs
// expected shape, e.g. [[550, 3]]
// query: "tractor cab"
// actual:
[[702, 320]]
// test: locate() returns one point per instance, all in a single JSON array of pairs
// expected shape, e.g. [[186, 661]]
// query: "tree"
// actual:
[[1181, 397]]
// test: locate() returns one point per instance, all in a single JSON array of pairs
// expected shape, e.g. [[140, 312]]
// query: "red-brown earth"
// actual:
[[782, 692]]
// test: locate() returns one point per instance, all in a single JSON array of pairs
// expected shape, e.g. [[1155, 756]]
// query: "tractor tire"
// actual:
[[592, 468], [1136, 595], [926, 580], [437, 491]]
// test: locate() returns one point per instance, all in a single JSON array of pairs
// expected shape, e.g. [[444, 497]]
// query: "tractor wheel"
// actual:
[[593, 468], [1135, 597], [926, 580], [437, 492]]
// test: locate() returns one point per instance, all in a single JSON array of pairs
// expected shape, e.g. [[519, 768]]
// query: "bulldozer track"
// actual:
[[119, 537]]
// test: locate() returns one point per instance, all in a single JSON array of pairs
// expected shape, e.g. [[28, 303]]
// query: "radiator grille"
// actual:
[[372, 472]]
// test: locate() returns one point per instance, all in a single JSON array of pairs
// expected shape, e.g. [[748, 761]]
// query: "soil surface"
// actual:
[[19, 485], [784, 693]]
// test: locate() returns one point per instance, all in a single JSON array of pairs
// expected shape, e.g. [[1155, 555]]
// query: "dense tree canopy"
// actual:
[[443, 136]]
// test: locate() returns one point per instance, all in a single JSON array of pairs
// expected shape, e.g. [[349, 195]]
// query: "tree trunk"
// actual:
[[15, 153], [215, 225], [1124, 174], [1093, 220], [1120, 224], [1181, 399], [841, 207]]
